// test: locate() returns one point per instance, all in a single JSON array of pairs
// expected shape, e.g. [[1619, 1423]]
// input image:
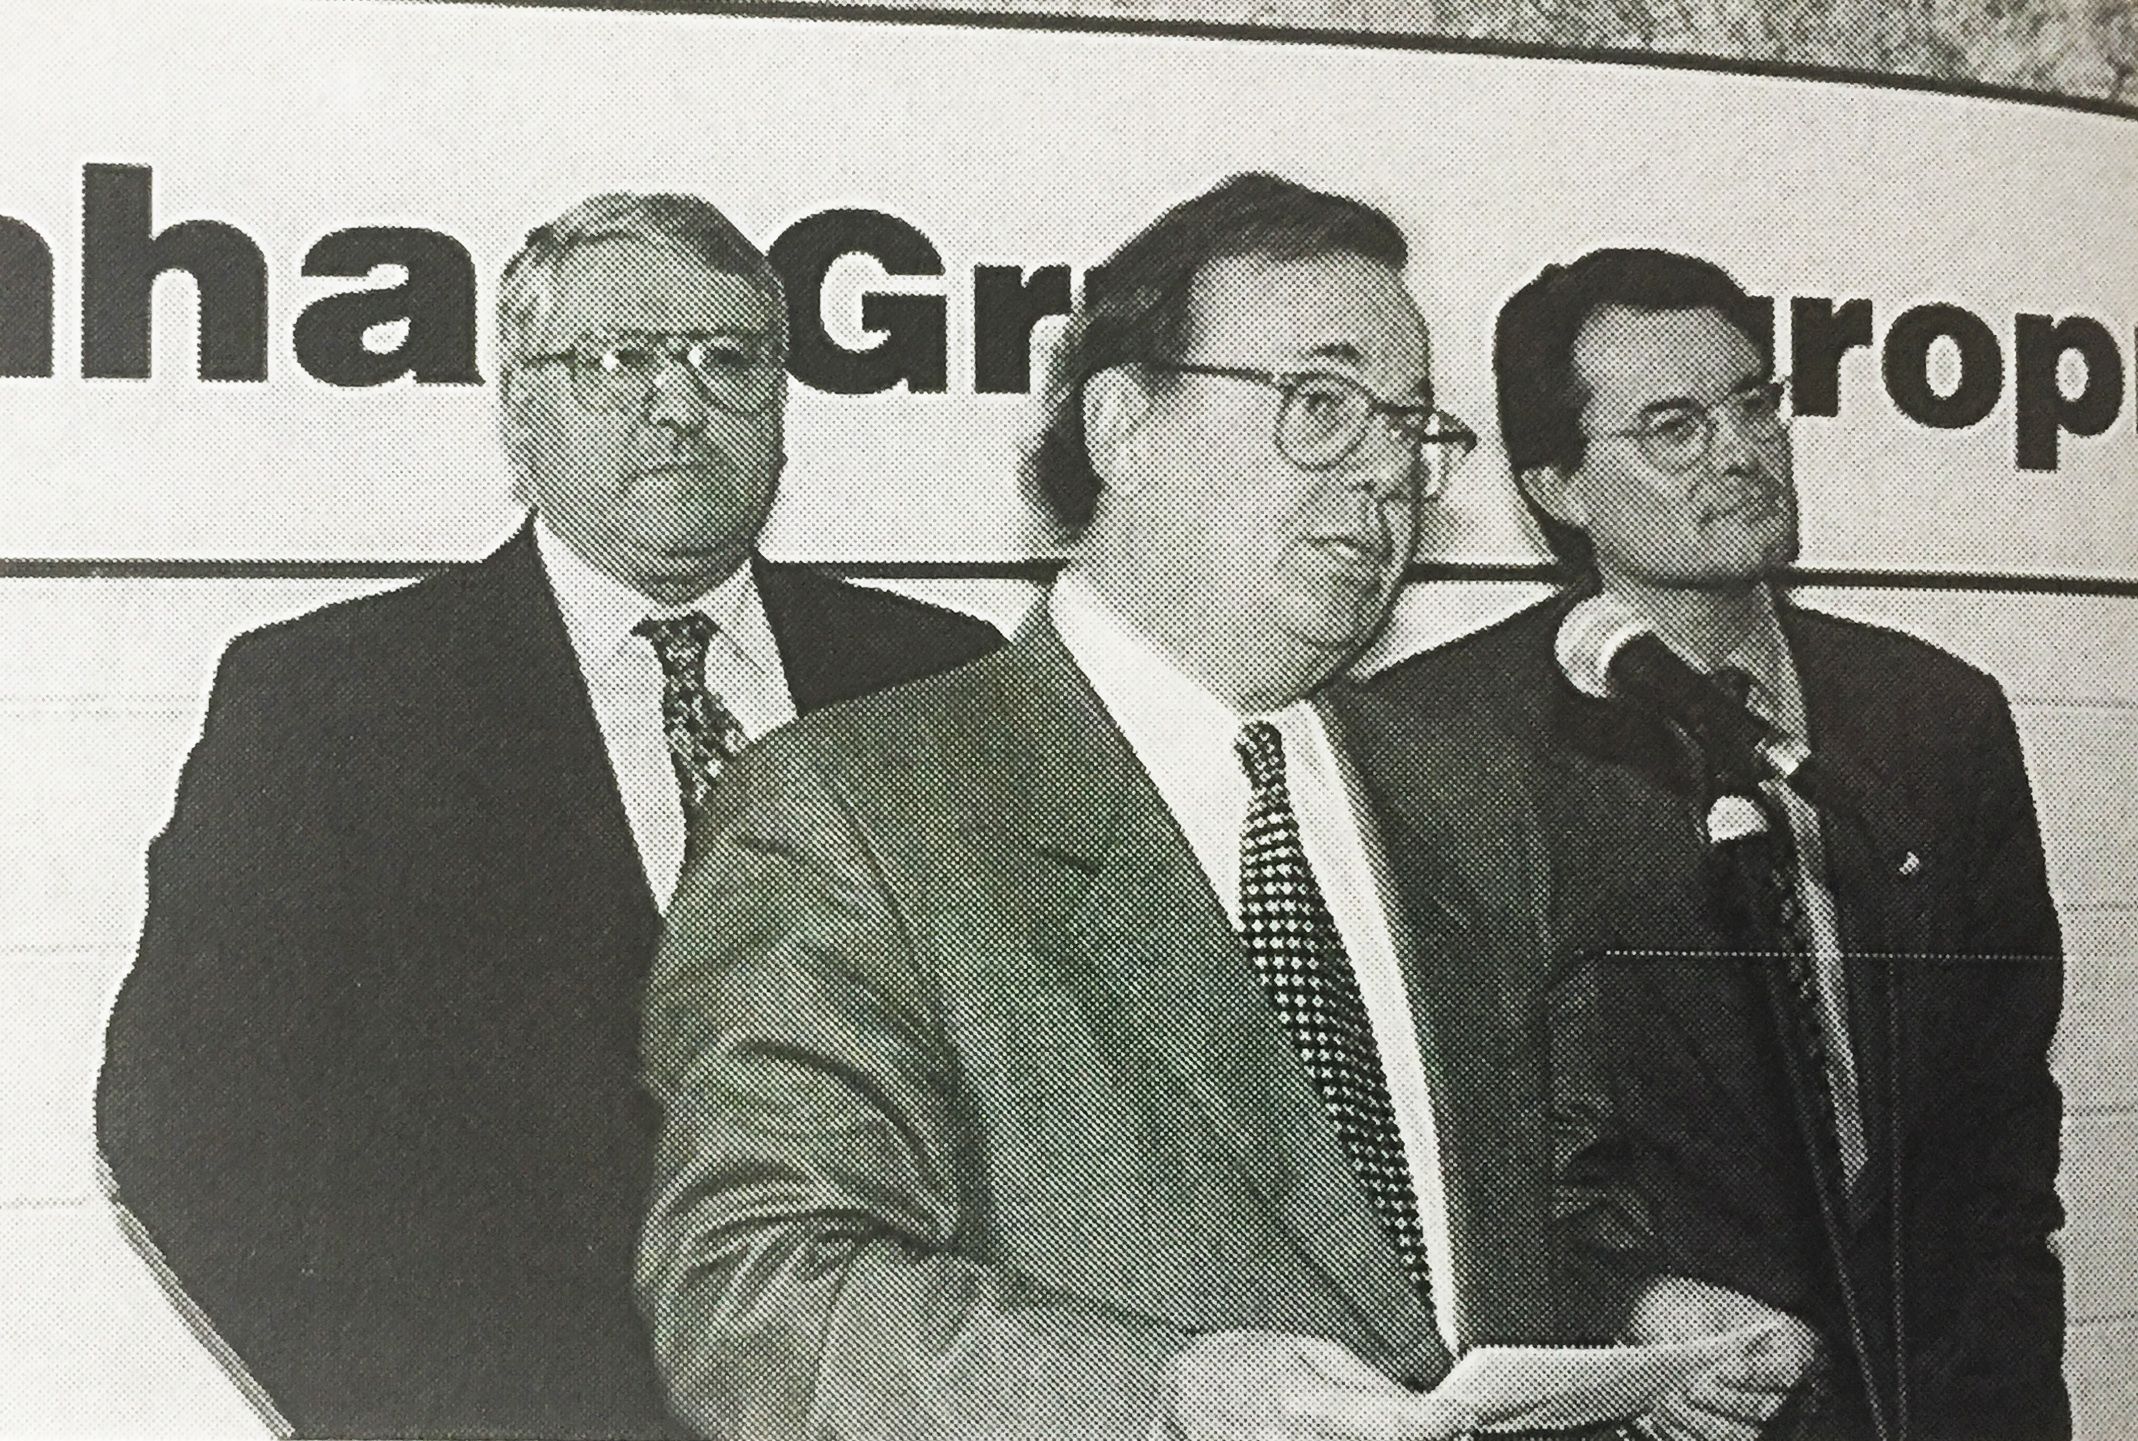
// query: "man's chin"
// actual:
[[1722, 558], [686, 569], [1341, 624]]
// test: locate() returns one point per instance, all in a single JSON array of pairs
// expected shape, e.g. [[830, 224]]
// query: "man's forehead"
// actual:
[[1635, 357], [632, 284], [1340, 309]]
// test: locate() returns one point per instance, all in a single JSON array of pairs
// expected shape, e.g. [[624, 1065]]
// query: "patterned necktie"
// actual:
[[703, 734], [1297, 952], [1814, 978]]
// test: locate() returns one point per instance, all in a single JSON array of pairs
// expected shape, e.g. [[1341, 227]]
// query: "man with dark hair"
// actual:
[[371, 1086], [1827, 1076], [1139, 307], [1043, 1050]]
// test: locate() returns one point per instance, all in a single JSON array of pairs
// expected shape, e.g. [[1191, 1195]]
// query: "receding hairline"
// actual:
[[574, 258], [528, 295], [1263, 261]]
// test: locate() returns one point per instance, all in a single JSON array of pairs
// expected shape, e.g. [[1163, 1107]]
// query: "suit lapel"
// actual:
[[1881, 907], [817, 655], [1880, 911], [1465, 830], [1433, 893], [534, 749], [1144, 920]]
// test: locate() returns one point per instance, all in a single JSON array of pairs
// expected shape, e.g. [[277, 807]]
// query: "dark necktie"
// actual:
[[703, 734], [1821, 1033], [1293, 941]]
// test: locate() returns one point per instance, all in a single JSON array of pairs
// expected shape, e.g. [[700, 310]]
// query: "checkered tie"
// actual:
[[703, 734], [1822, 1032], [1297, 952]]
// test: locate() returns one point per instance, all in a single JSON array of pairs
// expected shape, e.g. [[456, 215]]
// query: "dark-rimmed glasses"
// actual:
[[740, 371], [1678, 436], [1323, 418]]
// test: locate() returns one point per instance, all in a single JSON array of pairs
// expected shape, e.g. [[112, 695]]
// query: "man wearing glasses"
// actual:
[[1040, 1051], [371, 1086], [1834, 1101]]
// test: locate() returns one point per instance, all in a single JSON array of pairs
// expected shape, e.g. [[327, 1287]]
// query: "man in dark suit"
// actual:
[[1837, 1098], [371, 1086], [1044, 1050]]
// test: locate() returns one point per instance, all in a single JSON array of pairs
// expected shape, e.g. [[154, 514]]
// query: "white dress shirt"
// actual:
[[1183, 736], [624, 680]]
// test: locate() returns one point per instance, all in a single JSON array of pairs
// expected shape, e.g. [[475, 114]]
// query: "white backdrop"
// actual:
[[292, 120]]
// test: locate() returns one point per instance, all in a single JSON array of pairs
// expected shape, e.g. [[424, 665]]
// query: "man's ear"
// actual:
[[514, 431], [1115, 408], [512, 421], [1556, 493]]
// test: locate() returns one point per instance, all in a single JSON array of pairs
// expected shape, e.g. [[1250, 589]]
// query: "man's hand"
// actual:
[[1265, 1386], [1735, 1399]]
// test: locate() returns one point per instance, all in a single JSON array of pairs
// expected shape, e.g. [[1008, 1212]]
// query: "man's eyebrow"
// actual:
[[1752, 381], [722, 332], [1351, 355], [1342, 350], [732, 334]]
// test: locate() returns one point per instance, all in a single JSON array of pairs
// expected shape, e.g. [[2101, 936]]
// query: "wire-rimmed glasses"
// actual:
[[1678, 436], [739, 371]]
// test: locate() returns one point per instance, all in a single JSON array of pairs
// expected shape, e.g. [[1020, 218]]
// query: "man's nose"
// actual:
[[1382, 464], [1358, 505], [678, 399], [1734, 449], [1369, 504]]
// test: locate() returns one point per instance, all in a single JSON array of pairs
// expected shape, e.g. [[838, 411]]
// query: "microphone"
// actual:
[[1610, 651]]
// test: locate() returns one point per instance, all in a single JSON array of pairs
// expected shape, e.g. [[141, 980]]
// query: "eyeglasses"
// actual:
[[740, 371], [1679, 436], [1323, 418]]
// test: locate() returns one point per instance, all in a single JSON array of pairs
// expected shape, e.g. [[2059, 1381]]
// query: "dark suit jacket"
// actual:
[[371, 1086], [974, 1107], [1964, 1113]]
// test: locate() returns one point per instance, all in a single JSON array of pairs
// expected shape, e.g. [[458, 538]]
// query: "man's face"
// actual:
[[667, 494], [1727, 519], [1264, 562]]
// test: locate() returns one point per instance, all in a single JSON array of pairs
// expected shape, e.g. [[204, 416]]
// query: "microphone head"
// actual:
[[1591, 637]]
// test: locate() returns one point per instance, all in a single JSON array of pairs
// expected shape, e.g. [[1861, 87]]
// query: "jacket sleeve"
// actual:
[[814, 1264], [1605, 1239], [1994, 1349], [214, 1044]]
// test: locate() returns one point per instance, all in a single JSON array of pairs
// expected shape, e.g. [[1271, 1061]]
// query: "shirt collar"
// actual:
[[1171, 720], [1762, 653], [1777, 692], [600, 611]]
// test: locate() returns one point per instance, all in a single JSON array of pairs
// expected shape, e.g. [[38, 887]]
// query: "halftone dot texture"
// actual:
[[2086, 48], [1823, 1052], [1292, 939], [703, 734]]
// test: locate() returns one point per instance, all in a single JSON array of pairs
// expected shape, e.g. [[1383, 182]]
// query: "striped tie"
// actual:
[[1816, 979]]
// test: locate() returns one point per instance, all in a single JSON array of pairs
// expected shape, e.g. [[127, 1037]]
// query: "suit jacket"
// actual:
[[974, 1107], [1954, 978], [371, 1085]]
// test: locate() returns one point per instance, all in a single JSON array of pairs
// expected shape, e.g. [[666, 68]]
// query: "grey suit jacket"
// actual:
[[974, 1109]]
